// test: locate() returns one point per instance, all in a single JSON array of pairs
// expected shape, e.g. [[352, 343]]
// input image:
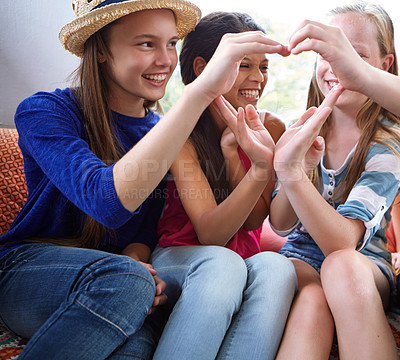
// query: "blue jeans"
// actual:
[[222, 306], [76, 303]]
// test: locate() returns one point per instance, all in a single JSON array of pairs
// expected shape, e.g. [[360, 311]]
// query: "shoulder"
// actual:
[[273, 123], [383, 157], [49, 112], [49, 100]]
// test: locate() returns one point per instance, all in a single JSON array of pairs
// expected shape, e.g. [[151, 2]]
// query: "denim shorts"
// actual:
[[301, 246]]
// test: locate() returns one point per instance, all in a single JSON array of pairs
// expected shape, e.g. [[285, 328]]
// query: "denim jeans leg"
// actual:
[[73, 303], [256, 330], [204, 286]]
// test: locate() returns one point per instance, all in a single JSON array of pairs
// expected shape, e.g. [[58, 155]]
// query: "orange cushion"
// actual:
[[13, 191]]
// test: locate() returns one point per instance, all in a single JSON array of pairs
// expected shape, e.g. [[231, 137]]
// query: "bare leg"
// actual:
[[357, 291], [309, 330]]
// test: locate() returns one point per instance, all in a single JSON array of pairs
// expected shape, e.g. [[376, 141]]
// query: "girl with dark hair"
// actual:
[[337, 217], [219, 199]]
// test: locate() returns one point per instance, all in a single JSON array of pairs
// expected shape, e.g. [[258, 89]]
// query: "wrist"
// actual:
[[198, 93], [229, 151], [260, 173], [290, 172]]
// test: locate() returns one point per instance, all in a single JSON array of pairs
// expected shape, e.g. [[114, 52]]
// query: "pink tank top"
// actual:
[[176, 229]]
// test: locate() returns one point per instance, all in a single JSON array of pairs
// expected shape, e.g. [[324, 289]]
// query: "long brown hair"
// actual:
[[368, 118], [202, 42], [92, 93]]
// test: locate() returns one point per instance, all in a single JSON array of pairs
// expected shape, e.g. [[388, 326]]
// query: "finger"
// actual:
[[229, 106], [252, 43], [159, 300], [318, 46], [250, 36], [319, 143], [314, 124], [161, 285], [306, 30], [149, 267], [253, 119], [227, 113], [285, 51], [241, 122], [306, 115], [331, 98]]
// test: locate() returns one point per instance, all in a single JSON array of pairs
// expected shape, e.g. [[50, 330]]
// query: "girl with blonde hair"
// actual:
[[336, 218]]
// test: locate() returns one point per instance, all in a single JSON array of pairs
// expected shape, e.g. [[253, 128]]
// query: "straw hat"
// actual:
[[92, 15]]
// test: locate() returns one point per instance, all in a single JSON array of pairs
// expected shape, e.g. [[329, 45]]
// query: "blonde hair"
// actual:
[[368, 118]]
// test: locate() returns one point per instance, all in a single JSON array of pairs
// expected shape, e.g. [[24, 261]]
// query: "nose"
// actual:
[[164, 57], [257, 75]]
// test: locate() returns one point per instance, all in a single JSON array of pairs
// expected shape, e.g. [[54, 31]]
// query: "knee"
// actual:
[[347, 278], [271, 268], [217, 279], [118, 289], [221, 271]]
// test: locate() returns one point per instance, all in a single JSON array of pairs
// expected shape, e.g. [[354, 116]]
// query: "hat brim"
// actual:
[[74, 34]]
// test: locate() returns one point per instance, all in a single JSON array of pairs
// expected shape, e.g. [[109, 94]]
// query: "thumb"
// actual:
[[319, 143]]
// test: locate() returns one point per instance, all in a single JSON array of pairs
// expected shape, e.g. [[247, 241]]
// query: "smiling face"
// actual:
[[250, 82], [362, 34], [143, 57]]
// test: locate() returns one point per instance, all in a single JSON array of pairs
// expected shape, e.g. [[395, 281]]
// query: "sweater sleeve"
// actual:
[[52, 140]]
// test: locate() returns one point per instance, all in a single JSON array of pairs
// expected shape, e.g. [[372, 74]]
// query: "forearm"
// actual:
[[330, 230], [141, 169], [383, 88], [212, 227], [236, 173], [282, 215]]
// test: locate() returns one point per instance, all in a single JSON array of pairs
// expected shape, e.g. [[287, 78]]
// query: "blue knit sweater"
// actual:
[[66, 180]]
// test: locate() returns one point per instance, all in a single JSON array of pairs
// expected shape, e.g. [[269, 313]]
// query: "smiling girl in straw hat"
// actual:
[[95, 156]]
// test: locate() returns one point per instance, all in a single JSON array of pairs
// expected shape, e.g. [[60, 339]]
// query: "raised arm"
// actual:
[[162, 144], [217, 223], [237, 170], [330, 230], [351, 70]]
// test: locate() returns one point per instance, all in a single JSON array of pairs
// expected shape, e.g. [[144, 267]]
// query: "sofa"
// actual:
[[13, 193]]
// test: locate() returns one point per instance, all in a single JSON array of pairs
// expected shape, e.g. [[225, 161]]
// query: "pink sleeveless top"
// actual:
[[176, 229]]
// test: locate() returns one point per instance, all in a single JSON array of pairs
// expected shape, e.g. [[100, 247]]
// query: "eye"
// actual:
[[245, 66], [146, 44], [264, 68], [172, 44]]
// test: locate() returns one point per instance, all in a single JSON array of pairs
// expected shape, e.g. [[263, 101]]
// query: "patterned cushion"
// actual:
[[13, 191]]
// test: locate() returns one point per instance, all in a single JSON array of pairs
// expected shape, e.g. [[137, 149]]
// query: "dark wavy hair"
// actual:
[[202, 42]]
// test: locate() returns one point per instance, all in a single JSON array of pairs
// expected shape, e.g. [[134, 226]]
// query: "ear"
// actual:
[[101, 58], [387, 62], [198, 65]]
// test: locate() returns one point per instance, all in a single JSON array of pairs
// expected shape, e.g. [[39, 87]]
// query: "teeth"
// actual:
[[250, 93], [156, 78], [332, 83]]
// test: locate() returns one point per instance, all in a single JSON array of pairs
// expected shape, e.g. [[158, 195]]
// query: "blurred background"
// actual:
[[32, 58]]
